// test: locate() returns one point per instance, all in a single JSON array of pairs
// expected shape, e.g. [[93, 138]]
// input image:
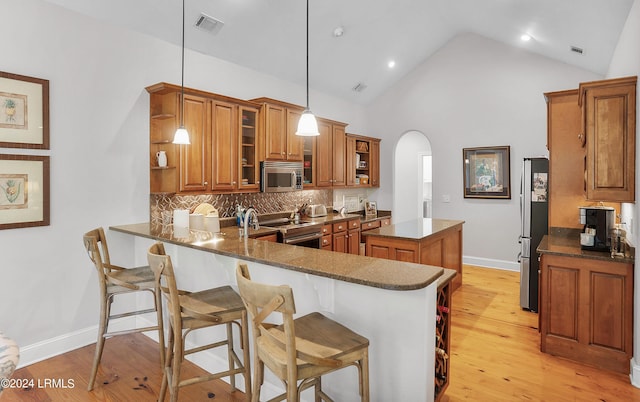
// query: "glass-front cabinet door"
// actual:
[[309, 162], [249, 166]]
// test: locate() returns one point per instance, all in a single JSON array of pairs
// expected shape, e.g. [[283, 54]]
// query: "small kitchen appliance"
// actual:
[[598, 221], [278, 177], [315, 210]]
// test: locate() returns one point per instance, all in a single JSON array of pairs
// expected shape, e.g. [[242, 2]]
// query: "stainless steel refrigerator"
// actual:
[[534, 212]]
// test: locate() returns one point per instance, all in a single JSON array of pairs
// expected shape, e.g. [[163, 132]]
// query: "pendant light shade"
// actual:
[[182, 136], [307, 125]]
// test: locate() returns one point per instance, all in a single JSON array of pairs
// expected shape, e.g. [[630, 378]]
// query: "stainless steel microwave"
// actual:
[[279, 177]]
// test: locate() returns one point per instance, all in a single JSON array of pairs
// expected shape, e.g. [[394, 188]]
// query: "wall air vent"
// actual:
[[209, 24], [576, 49], [359, 87]]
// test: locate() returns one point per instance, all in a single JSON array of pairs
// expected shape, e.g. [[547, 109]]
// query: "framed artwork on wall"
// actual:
[[486, 172], [24, 112], [24, 191]]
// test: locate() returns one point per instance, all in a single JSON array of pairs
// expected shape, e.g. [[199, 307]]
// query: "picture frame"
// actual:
[[24, 191], [370, 208], [486, 172], [24, 111]]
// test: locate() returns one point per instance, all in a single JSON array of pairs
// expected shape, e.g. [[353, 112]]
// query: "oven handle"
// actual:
[[299, 239]]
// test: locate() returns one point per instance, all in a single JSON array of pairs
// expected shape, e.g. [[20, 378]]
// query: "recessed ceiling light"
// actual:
[[391, 64], [525, 37]]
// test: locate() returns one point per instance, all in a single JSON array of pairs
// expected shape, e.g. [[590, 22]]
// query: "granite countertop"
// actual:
[[566, 242], [330, 218], [416, 229], [368, 271]]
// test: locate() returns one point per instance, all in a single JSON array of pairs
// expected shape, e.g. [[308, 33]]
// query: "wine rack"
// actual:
[[443, 334]]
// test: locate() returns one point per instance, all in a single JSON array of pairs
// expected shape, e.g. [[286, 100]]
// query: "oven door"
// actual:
[[311, 240]]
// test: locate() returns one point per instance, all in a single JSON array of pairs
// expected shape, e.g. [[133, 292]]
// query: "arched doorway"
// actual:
[[412, 177]]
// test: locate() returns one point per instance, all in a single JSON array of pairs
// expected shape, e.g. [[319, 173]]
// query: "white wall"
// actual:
[[626, 62], [473, 92], [99, 153]]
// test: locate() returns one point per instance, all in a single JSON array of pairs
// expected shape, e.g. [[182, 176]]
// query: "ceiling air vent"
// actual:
[[359, 87], [576, 49], [209, 24]]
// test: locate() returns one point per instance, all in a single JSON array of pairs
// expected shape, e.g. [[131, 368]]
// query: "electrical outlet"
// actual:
[[446, 198]]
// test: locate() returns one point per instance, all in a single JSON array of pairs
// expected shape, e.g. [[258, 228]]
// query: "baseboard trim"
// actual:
[[58, 345], [635, 373], [491, 263]]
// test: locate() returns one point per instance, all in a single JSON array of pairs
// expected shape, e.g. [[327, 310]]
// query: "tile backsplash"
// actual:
[[264, 203]]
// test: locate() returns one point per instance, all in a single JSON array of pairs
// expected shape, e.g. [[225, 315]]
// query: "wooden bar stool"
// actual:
[[114, 280], [190, 311], [300, 350]]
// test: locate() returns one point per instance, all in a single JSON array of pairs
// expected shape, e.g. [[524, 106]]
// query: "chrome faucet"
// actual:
[[250, 215]]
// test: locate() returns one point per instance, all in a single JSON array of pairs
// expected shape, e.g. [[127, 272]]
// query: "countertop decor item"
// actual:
[[182, 135], [486, 172], [307, 125]]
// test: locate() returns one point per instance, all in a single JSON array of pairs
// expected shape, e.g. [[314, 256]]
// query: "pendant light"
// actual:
[[307, 125], [182, 136]]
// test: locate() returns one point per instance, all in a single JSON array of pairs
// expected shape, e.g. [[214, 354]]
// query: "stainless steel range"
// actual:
[[304, 233]]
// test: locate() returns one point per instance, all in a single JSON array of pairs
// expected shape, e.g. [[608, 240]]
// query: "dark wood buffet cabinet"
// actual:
[[229, 137], [586, 304], [586, 297]]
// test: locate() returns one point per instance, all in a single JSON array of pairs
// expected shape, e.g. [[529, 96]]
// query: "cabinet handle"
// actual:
[[206, 183]]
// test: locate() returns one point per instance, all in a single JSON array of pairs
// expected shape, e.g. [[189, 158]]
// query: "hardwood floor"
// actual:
[[495, 356], [129, 371], [495, 350]]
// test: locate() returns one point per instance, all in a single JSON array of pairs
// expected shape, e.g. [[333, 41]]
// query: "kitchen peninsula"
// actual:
[[393, 303]]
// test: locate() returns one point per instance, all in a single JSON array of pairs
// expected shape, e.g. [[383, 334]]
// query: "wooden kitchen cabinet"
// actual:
[[223, 154], [163, 121], [374, 168], [609, 121], [249, 163], [330, 154], [566, 155], [193, 158], [224, 140], [278, 139], [326, 243], [363, 160], [346, 236], [586, 311]]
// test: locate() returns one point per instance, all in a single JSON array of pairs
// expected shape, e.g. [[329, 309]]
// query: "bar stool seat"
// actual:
[[300, 350], [114, 280], [189, 311]]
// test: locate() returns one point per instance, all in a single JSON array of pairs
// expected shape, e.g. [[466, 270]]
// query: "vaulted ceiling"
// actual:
[[269, 35]]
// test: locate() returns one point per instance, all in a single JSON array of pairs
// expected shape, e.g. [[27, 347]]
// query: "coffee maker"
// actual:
[[598, 222]]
